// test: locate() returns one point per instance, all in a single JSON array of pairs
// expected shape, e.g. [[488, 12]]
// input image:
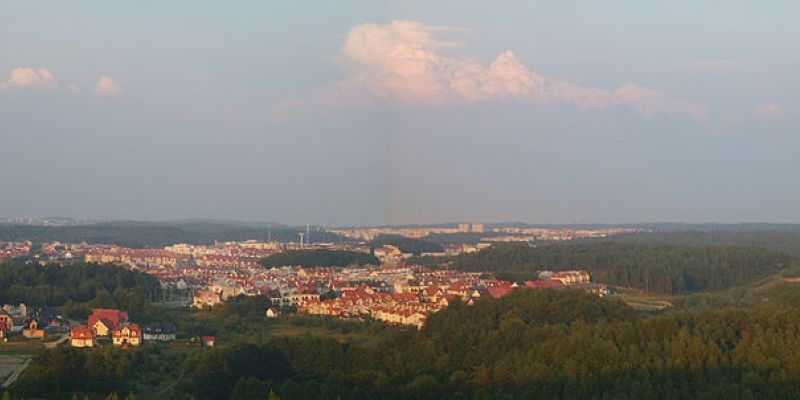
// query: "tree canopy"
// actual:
[[668, 269], [76, 287], [408, 245]]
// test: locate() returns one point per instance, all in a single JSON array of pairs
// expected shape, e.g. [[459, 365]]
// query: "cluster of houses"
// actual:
[[30, 322], [362, 302], [397, 295], [113, 325], [410, 301], [576, 279], [10, 250]]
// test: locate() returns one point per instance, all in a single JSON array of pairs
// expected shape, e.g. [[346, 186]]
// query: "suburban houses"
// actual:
[[110, 325]]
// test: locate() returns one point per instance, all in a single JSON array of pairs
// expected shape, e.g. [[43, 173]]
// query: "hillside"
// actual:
[[530, 344], [152, 234], [668, 269]]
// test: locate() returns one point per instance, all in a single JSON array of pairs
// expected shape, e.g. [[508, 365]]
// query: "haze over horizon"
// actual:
[[366, 113]]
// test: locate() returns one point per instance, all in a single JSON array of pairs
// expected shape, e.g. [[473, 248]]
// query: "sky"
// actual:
[[376, 112]]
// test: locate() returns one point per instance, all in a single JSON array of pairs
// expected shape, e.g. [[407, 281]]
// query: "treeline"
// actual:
[[319, 258], [669, 269], [407, 245], [786, 240], [77, 287], [62, 372], [532, 344], [151, 234]]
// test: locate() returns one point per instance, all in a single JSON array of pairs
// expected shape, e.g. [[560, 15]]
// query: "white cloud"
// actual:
[[768, 110], [106, 86], [403, 61], [25, 77]]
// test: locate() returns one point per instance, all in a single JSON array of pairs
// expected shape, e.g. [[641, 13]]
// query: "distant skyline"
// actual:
[[380, 112]]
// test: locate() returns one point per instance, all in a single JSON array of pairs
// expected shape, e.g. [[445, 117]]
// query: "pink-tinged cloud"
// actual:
[[36, 78], [768, 110], [106, 86], [403, 62]]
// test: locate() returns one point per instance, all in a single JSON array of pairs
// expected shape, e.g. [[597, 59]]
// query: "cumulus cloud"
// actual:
[[768, 110], [106, 86], [404, 62], [25, 77]]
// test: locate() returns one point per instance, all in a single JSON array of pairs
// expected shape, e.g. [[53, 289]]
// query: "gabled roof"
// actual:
[[112, 318], [132, 328], [81, 332]]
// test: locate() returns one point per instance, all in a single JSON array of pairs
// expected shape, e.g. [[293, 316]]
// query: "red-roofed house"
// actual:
[[81, 336], [208, 341], [544, 284], [500, 291], [127, 335], [104, 321], [7, 320]]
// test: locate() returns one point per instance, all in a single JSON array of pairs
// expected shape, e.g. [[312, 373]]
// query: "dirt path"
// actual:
[[12, 365], [53, 344], [170, 386]]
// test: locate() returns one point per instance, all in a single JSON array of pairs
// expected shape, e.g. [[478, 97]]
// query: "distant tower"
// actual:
[[308, 233], [301, 239]]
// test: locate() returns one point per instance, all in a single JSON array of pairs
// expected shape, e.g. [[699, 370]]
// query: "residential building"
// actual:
[[161, 332], [81, 336], [127, 335]]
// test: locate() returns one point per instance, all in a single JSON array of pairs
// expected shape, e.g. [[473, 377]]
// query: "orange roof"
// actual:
[[134, 330], [109, 317], [81, 332]]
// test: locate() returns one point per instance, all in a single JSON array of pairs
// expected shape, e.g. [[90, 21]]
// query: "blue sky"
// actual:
[[364, 112]]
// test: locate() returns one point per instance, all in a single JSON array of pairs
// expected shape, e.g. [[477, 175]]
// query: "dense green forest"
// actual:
[[319, 258], [456, 238], [668, 269], [152, 234], [407, 245], [780, 240], [77, 287], [530, 344]]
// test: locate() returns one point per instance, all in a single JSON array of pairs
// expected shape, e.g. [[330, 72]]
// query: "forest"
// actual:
[[716, 342], [319, 258], [658, 268], [778, 238], [530, 344], [407, 245], [158, 234], [76, 288]]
